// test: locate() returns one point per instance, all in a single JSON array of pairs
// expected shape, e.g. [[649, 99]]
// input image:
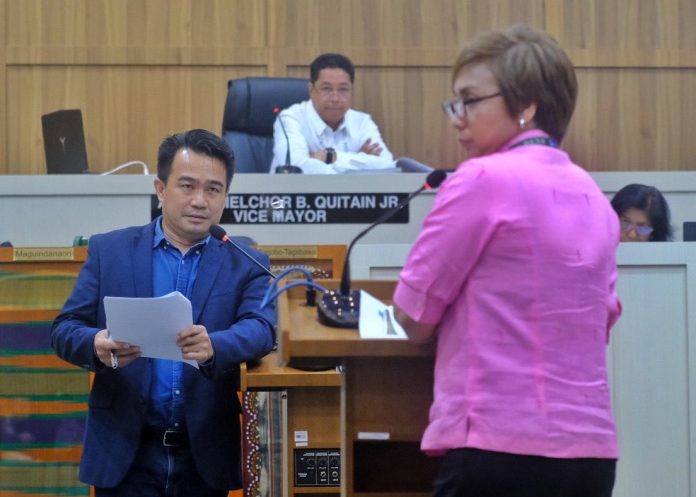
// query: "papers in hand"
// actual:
[[377, 320], [150, 323]]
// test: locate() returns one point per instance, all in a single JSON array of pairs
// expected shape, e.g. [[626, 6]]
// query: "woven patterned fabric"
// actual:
[[43, 400], [262, 441], [43, 405]]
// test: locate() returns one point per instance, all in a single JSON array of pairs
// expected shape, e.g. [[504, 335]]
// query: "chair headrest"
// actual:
[[251, 101]]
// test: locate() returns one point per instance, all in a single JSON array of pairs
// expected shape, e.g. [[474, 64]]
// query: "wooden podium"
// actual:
[[374, 406]]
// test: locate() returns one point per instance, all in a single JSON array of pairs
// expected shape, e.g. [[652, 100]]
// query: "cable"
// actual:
[[310, 296], [285, 272], [125, 165], [267, 299]]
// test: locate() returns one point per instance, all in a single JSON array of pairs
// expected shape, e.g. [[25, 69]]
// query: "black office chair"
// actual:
[[689, 231], [247, 124]]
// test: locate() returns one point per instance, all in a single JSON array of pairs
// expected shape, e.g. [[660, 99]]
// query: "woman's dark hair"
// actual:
[[648, 199], [200, 141]]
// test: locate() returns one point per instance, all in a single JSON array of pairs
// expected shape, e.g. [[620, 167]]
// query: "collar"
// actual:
[[160, 239]]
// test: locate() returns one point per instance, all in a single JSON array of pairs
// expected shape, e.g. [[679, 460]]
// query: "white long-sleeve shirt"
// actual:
[[308, 133]]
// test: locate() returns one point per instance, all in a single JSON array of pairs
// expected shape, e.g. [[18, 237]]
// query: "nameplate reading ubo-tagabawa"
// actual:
[[291, 252]]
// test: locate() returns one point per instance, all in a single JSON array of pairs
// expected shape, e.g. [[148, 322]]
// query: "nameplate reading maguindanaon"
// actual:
[[308, 208]]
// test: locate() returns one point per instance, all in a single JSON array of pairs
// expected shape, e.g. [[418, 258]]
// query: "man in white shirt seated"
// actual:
[[325, 135]]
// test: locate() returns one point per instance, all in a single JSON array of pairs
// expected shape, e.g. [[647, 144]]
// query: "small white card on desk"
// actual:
[[377, 320], [373, 435]]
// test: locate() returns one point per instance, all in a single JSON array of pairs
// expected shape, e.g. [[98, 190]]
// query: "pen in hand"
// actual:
[[114, 353]]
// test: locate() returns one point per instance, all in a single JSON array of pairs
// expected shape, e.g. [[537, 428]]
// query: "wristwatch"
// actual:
[[330, 155]]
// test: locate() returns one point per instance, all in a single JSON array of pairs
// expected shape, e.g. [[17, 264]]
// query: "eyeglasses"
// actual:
[[327, 92], [641, 230], [458, 107]]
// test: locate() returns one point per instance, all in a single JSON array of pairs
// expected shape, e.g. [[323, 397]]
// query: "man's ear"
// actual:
[[159, 188]]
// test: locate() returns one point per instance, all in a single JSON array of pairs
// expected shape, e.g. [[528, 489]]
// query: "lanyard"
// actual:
[[537, 140]]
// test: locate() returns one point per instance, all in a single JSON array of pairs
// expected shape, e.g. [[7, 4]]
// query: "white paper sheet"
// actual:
[[150, 323], [377, 320]]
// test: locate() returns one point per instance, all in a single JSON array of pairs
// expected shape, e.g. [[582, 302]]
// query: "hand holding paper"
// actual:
[[195, 343], [111, 352], [152, 324]]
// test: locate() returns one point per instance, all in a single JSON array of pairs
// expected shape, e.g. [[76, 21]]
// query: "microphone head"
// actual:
[[218, 232], [288, 169], [435, 178]]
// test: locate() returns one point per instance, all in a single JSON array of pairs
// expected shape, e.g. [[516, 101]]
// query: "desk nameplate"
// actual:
[[43, 254]]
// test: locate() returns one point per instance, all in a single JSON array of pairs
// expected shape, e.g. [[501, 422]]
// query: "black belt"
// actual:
[[167, 438]]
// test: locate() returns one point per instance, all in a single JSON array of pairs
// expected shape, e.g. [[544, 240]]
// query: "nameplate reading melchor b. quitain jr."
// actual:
[[307, 208]]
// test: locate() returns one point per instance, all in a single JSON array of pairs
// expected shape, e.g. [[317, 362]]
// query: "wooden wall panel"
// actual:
[[142, 68], [386, 33], [636, 65], [405, 24], [127, 111], [3, 89], [417, 93], [634, 119], [625, 33], [136, 23], [411, 96], [623, 26]]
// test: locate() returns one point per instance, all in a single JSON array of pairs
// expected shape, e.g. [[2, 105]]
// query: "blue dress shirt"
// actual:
[[171, 271]]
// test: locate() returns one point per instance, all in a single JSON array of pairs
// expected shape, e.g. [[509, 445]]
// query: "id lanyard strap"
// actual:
[[537, 140]]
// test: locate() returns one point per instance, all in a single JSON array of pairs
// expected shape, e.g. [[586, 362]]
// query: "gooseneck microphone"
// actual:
[[287, 168], [219, 233], [342, 309]]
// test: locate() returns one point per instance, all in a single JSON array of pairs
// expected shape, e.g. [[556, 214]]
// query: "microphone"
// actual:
[[342, 309], [219, 233], [287, 168]]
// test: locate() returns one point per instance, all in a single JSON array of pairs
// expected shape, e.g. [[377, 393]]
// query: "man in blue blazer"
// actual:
[[157, 427]]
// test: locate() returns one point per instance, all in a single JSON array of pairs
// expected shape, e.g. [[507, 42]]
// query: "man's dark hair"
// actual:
[[199, 141], [331, 61]]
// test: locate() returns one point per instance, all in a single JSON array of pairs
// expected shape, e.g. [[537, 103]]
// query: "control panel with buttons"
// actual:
[[317, 467]]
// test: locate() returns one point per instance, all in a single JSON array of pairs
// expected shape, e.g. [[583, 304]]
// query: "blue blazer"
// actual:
[[225, 299]]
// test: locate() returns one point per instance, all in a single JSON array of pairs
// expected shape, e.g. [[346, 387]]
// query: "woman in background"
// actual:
[[644, 214], [513, 273]]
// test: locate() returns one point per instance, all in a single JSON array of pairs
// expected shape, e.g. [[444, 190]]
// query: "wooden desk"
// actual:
[[308, 403], [384, 399], [301, 336]]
